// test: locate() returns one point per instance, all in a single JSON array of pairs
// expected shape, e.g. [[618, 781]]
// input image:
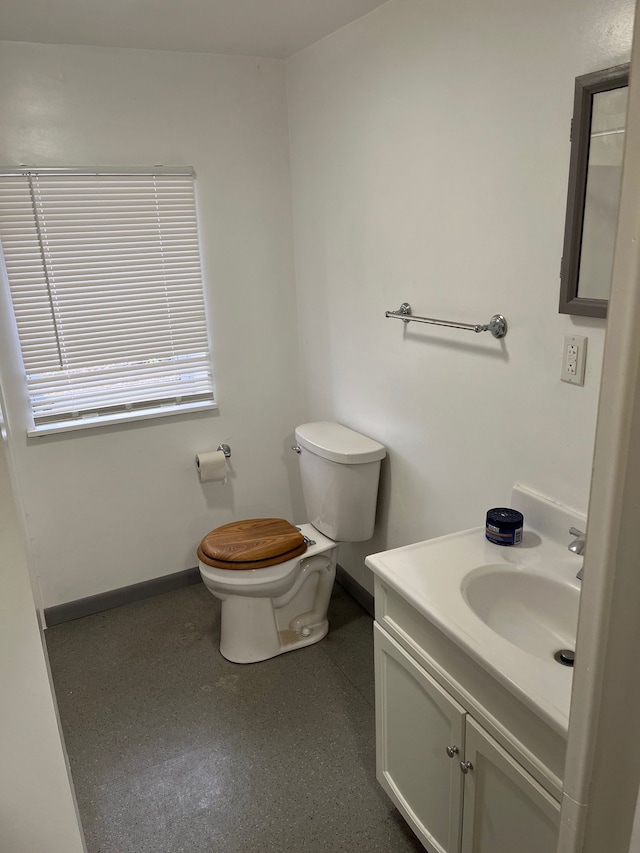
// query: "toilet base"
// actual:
[[249, 633]]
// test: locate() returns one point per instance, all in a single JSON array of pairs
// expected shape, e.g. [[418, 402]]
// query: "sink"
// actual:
[[509, 609], [536, 612]]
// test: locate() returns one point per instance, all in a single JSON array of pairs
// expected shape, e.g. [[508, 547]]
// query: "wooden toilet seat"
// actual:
[[254, 543]]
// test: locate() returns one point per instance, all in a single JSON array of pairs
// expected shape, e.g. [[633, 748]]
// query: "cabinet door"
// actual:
[[415, 722], [505, 809]]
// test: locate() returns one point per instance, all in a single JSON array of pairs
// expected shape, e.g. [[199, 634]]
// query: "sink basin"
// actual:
[[536, 612]]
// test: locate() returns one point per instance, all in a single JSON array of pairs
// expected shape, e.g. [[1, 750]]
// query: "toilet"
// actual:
[[274, 579]]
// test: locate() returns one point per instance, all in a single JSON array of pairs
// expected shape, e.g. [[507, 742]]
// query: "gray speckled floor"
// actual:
[[175, 749]]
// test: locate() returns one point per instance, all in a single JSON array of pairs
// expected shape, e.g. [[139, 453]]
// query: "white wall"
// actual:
[[114, 506], [429, 159], [37, 804], [430, 152]]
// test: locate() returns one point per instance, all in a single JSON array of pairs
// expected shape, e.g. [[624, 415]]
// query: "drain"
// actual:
[[565, 656]]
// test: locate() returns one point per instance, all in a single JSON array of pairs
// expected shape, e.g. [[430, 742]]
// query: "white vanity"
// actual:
[[471, 706]]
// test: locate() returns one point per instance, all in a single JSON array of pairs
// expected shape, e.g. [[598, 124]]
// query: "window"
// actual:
[[106, 284]]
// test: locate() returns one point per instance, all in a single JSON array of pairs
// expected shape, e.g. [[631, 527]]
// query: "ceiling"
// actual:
[[276, 28]]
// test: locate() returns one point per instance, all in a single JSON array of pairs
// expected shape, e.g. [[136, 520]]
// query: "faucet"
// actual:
[[578, 546]]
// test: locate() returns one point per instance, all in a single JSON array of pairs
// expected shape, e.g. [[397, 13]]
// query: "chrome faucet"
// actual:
[[578, 546]]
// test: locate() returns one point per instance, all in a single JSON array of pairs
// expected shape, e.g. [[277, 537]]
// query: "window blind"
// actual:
[[106, 284]]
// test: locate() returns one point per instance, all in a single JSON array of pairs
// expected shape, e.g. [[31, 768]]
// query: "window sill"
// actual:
[[120, 418]]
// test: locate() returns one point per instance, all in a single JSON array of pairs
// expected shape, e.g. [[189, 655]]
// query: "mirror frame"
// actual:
[[586, 87]]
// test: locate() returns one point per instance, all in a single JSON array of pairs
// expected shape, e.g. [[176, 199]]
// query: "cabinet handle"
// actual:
[[452, 750], [466, 766]]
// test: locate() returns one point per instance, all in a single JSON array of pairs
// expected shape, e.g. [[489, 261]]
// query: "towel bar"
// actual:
[[497, 325]]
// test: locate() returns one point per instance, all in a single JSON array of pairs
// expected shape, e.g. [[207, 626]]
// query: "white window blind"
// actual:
[[106, 284]]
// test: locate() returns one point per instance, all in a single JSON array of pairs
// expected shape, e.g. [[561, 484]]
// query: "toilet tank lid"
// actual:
[[339, 443]]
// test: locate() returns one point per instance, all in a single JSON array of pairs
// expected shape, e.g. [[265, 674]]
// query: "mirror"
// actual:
[[595, 172]]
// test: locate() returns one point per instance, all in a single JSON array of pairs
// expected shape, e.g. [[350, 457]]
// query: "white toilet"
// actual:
[[275, 580]]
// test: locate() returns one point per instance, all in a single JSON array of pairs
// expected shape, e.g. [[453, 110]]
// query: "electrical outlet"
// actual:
[[574, 358]]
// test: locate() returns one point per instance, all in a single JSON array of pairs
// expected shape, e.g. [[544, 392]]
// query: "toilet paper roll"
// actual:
[[212, 467]]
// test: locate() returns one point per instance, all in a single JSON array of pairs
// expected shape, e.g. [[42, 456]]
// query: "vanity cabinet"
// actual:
[[416, 720], [458, 788]]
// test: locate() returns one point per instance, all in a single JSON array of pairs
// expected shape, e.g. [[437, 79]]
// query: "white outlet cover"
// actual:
[[574, 358]]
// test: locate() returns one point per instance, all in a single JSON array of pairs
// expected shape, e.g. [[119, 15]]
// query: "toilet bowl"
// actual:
[[275, 580], [275, 609]]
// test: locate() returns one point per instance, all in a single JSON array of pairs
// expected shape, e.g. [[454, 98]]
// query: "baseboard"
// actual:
[[355, 590], [115, 597], [156, 586]]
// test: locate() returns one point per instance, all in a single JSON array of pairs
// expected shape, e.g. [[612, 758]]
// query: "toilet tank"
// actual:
[[340, 469]]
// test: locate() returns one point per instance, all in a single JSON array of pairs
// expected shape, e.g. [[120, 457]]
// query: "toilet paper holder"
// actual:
[[225, 449]]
